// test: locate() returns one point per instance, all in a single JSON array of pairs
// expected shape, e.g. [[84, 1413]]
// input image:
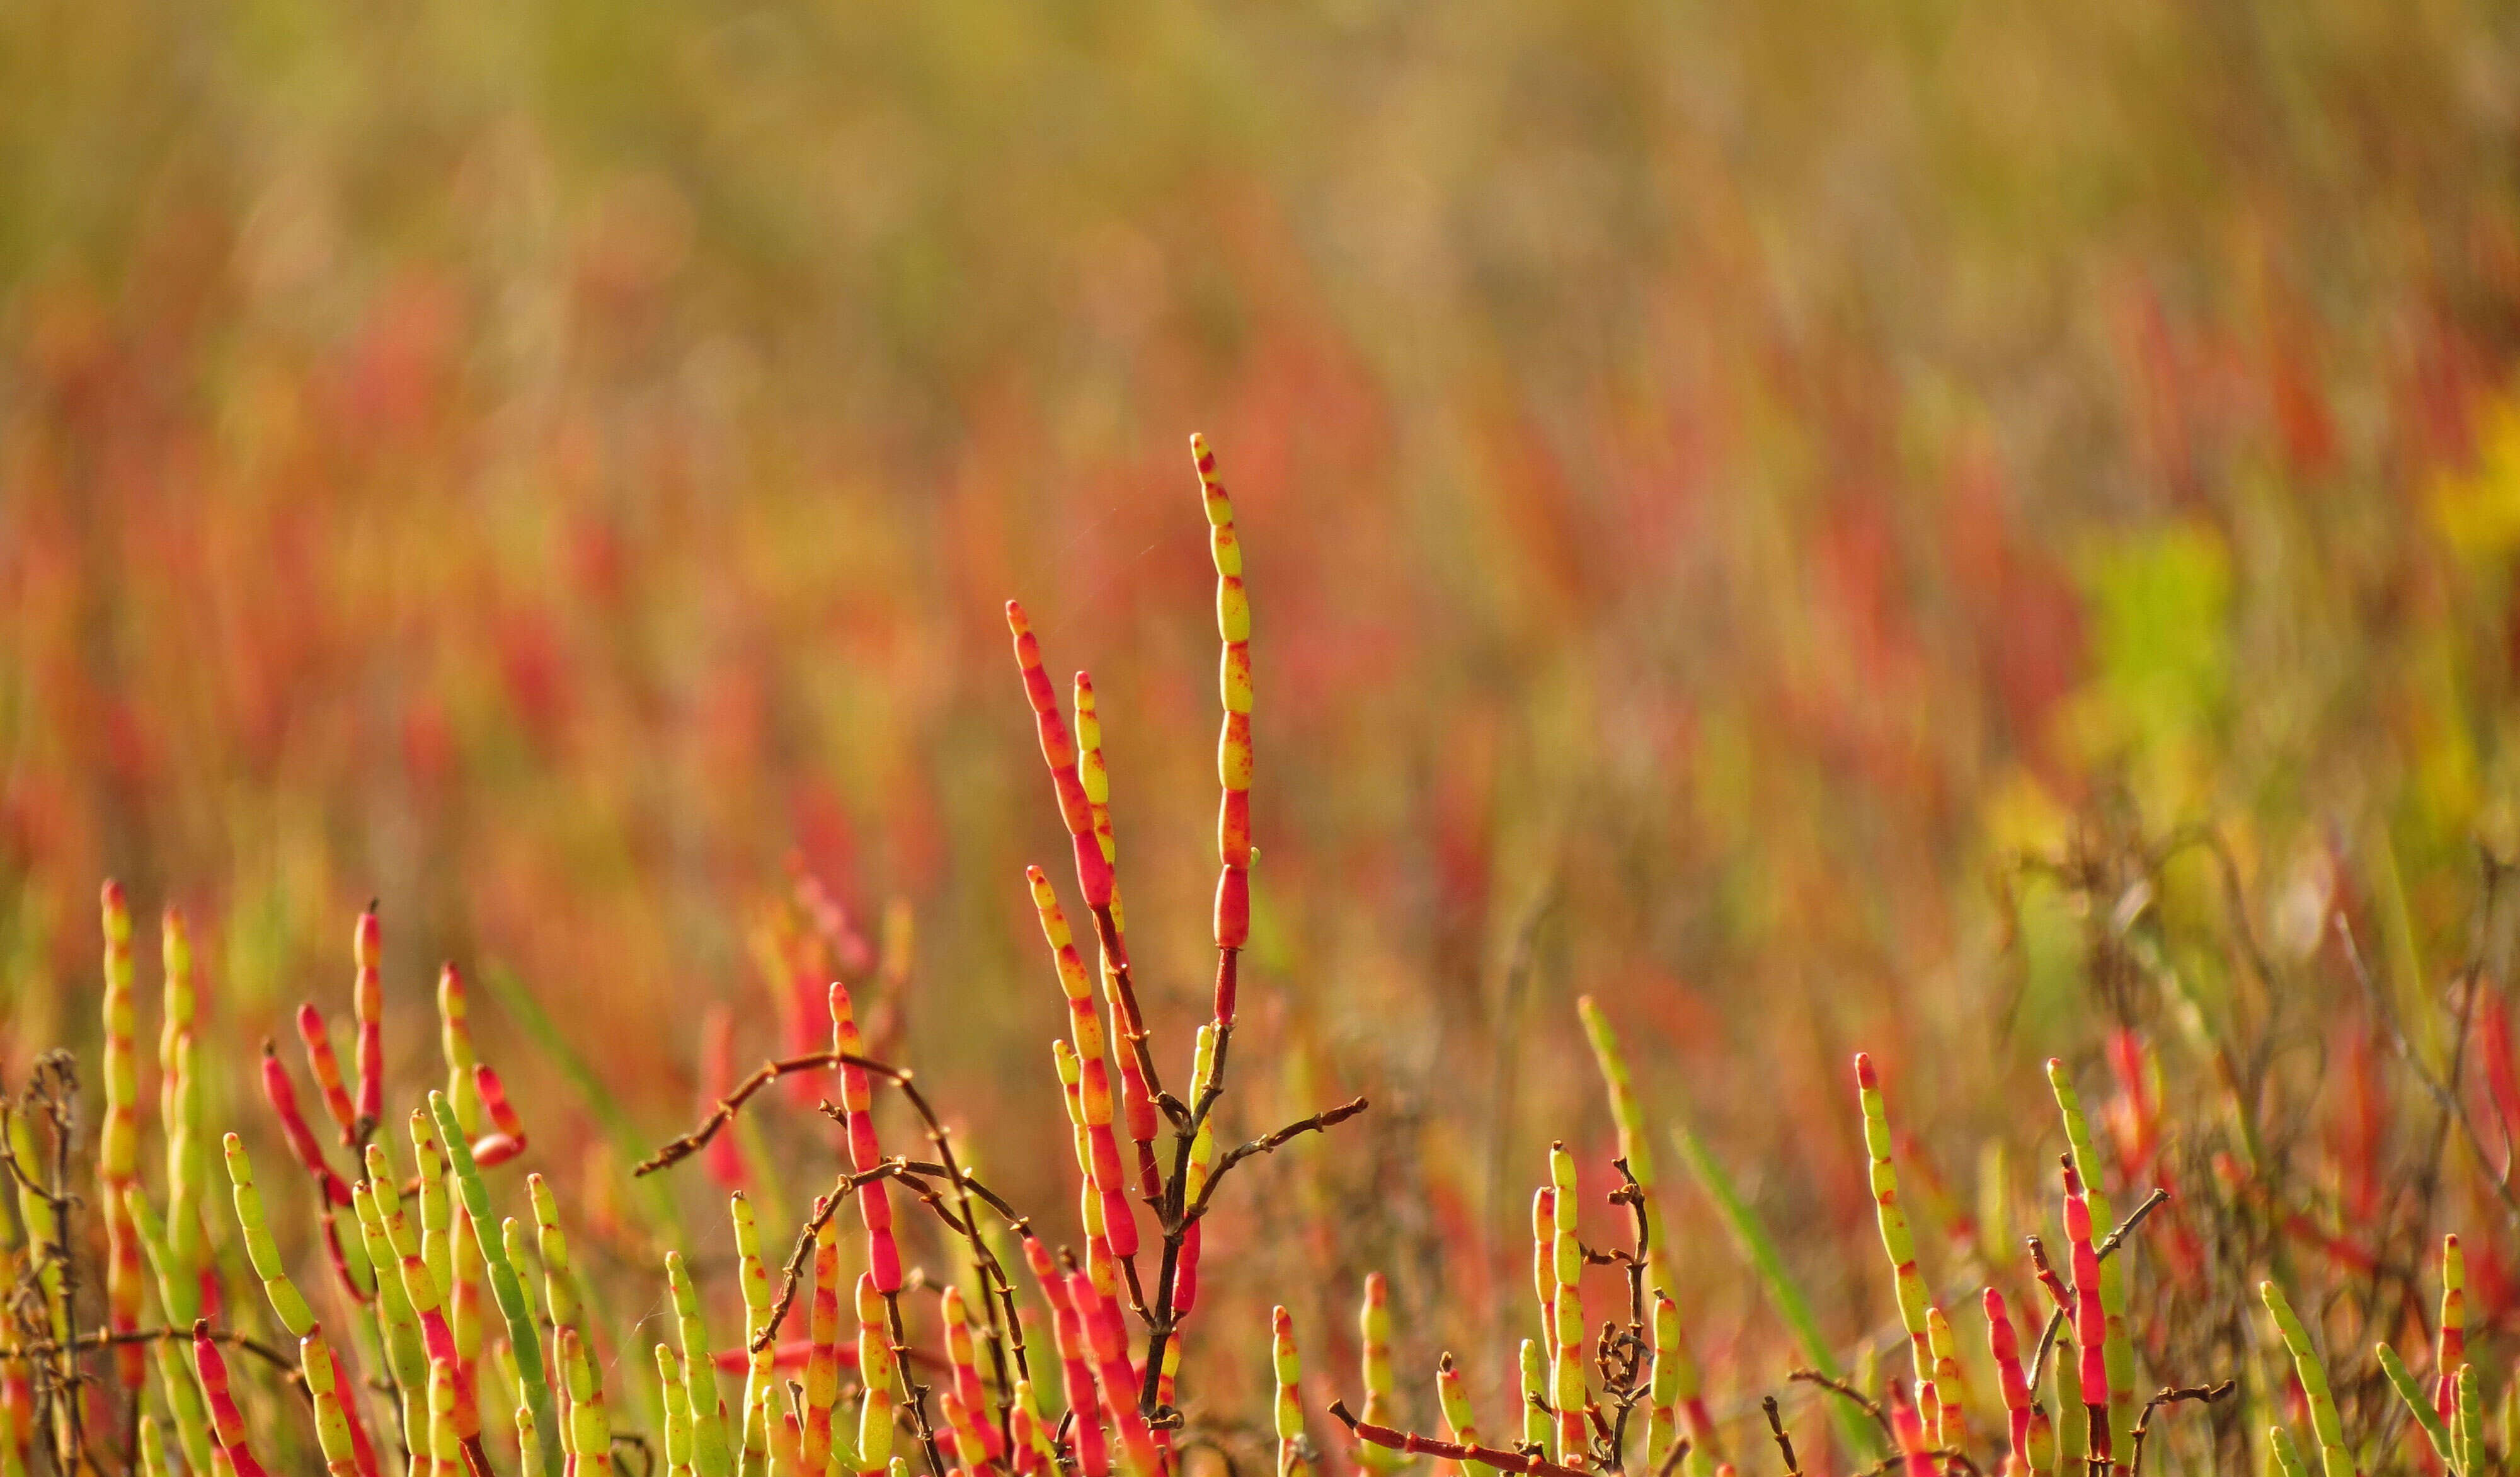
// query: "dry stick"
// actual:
[[2171, 1395], [1952, 1455], [1414, 1445], [1017, 1221], [1784, 1443], [1324, 1120], [1862, 1402], [1003, 1331], [981, 1256], [1176, 1222], [61, 1108], [1228, 982], [733, 1102], [900, 1077], [1622, 1355], [2048, 1282], [110, 1338], [993, 1271], [915, 1394], [1671, 1462], [1132, 1023], [1633, 1196], [965, 1187], [995, 1281], [842, 1190], [2449, 1097], [2056, 1319], [1175, 1227]]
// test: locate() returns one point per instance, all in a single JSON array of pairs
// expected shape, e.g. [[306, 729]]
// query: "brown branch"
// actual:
[[1004, 1335], [1414, 1445], [1952, 1455], [2048, 1282], [733, 1102], [52, 1090], [1001, 1334], [841, 1189], [1131, 1022], [1601, 1423], [2135, 1218], [2039, 1254], [1621, 1356], [912, 1395], [1017, 1221], [1176, 1233], [1784, 1443], [1320, 1122], [1862, 1402], [728, 1106], [1633, 1196], [1176, 1219], [285, 1363], [2171, 1395], [995, 1285]]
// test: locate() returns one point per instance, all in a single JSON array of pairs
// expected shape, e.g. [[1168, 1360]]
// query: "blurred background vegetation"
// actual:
[[1721, 485]]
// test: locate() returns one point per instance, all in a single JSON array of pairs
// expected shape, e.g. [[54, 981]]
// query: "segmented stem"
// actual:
[[2118, 1349], [1293, 1454], [2334, 1457], [1896, 1238], [538, 1427]]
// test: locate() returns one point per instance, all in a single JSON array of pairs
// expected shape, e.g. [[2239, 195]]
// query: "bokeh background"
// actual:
[[1722, 486]]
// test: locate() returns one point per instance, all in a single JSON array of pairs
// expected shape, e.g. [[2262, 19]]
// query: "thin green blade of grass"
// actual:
[[628, 1148], [1784, 1294]]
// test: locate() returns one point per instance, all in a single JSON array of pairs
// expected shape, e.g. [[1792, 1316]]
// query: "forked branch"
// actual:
[[2056, 1318], [841, 1189], [1414, 1445], [285, 1363], [1862, 1402], [2171, 1395], [733, 1102], [1326, 1119]]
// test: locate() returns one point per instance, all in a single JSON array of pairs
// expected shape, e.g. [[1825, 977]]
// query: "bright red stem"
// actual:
[[1233, 905], [369, 1000], [282, 1096], [2090, 1322], [884, 1253], [1186, 1274], [2006, 1346]]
